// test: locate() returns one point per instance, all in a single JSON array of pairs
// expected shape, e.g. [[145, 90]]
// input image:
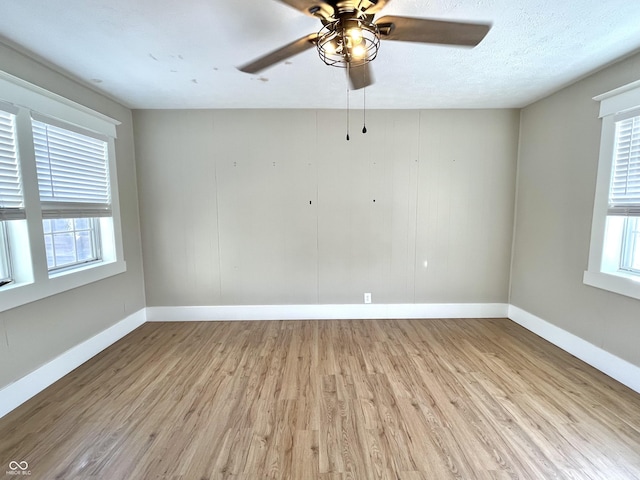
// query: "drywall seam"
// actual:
[[515, 207]]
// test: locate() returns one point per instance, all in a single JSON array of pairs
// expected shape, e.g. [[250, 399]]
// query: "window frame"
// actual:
[[603, 272], [5, 257], [630, 241], [32, 279]]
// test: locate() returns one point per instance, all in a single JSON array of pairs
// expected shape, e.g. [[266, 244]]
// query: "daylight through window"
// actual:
[[11, 199], [614, 257], [73, 181], [624, 193], [59, 214]]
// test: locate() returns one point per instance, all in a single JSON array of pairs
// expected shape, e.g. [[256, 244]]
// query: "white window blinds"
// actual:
[[73, 173], [11, 200], [624, 193]]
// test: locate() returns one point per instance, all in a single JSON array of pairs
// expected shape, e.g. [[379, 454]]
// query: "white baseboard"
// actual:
[[18, 392], [625, 372], [327, 312], [13, 395]]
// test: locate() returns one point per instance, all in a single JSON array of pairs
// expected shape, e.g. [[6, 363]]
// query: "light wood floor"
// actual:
[[329, 400]]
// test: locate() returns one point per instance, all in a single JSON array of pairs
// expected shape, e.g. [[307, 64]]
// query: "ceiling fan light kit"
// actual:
[[348, 42]]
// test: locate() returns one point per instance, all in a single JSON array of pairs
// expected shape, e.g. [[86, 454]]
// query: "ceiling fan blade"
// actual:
[[280, 54], [314, 8], [360, 76], [372, 6], [424, 30]]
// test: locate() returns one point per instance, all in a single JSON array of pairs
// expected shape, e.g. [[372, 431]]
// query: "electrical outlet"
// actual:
[[367, 298]]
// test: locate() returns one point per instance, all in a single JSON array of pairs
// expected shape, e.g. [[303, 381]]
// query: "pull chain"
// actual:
[[364, 110], [347, 103]]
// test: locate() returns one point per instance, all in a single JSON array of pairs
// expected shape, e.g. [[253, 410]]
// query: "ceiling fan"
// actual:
[[350, 38]]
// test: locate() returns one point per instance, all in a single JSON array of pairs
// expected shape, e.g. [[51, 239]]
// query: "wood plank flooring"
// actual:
[[329, 400]]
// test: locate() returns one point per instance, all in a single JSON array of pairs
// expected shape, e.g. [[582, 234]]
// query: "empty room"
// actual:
[[320, 239]]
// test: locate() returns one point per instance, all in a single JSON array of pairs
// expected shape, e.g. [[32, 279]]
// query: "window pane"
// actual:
[[63, 225], [84, 246], [48, 243], [71, 242], [630, 258], [5, 263], [83, 223], [65, 249]]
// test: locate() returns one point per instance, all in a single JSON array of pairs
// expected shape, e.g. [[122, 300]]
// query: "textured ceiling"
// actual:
[[184, 54]]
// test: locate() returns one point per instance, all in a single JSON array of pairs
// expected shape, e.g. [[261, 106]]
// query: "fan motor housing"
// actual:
[[349, 41]]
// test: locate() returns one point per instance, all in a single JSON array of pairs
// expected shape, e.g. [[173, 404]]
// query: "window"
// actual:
[[59, 212], [614, 260], [11, 202], [73, 182], [630, 258], [624, 193]]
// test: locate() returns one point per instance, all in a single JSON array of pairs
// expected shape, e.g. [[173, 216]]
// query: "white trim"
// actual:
[[21, 293], [326, 312], [24, 94], [626, 373], [18, 392], [619, 99], [601, 195], [14, 394], [628, 285]]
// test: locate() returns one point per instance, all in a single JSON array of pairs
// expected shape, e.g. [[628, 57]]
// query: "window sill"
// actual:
[[627, 285], [15, 295]]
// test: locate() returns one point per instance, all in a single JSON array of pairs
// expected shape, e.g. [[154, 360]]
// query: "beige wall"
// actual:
[[40, 331], [559, 149], [276, 207]]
